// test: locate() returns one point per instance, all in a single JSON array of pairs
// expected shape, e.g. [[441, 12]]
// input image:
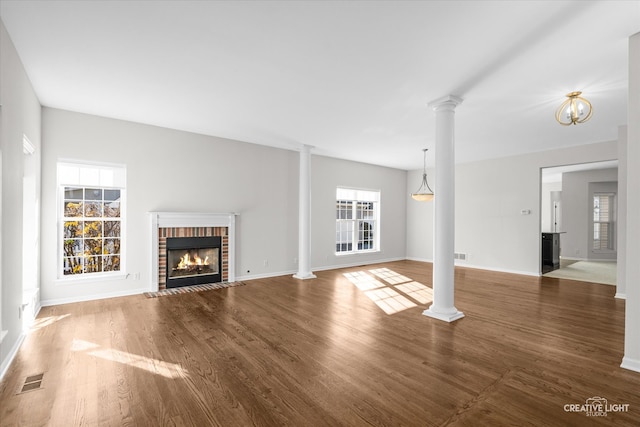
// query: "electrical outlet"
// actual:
[[266, 262]]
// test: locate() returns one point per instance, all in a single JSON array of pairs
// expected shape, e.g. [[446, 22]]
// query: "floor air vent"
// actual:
[[32, 382]]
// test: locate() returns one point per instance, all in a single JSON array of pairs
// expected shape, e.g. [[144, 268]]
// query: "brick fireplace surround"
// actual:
[[164, 232], [186, 224]]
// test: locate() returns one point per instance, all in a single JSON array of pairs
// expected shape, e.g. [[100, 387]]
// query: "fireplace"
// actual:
[[169, 225], [193, 261]]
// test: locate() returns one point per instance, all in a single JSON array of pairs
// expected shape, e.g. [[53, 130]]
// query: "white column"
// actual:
[[621, 230], [304, 215], [631, 358], [444, 218]]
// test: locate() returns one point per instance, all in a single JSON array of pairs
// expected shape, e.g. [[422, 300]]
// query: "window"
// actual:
[[357, 220], [603, 215], [91, 219]]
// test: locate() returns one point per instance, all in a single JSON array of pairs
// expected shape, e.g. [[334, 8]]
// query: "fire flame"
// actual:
[[186, 262]]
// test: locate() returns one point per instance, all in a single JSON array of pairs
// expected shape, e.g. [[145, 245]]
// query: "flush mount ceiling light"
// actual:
[[574, 110], [424, 193]]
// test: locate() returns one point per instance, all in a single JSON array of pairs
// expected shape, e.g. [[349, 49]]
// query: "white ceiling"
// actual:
[[351, 78]]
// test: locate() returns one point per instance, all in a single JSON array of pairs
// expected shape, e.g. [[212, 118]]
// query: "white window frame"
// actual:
[[353, 196], [91, 175], [610, 223]]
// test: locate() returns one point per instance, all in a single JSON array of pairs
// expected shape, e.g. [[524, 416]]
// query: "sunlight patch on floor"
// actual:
[[393, 292], [363, 281], [389, 300], [155, 366], [389, 276], [46, 321], [419, 292]]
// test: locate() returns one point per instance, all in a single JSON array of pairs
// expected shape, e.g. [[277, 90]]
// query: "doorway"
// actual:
[[578, 206]]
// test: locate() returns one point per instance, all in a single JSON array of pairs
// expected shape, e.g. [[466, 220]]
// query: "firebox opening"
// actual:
[[193, 261]]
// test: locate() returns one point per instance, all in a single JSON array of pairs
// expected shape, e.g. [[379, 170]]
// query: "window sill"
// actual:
[[372, 251], [91, 278]]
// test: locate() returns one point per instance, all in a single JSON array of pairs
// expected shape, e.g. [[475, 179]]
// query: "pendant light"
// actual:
[[424, 193], [574, 110]]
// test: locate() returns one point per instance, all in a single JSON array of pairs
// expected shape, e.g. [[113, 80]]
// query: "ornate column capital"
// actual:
[[449, 102]]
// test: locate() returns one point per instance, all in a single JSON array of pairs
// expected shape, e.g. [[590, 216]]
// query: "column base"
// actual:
[[447, 317], [631, 364], [304, 276]]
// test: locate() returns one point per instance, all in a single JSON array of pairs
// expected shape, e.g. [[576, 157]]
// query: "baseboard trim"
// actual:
[[12, 354], [630, 364], [358, 264], [620, 295], [463, 264], [328, 267], [265, 276], [83, 298]]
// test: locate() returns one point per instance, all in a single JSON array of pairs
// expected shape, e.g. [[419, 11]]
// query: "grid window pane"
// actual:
[[92, 247], [93, 209], [603, 236], [73, 209], [93, 264], [93, 194], [344, 209], [111, 263], [91, 230], [72, 193], [73, 266], [73, 229], [73, 247], [111, 246], [111, 229], [356, 225], [112, 203]]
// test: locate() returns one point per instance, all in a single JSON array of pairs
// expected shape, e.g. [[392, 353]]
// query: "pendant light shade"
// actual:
[[574, 110], [424, 192]]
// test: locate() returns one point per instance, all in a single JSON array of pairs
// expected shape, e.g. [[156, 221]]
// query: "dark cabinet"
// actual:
[[550, 252]]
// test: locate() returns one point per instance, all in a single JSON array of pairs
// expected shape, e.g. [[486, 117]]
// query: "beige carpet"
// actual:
[[588, 271]]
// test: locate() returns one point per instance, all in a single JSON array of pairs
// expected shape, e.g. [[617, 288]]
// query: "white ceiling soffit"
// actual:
[[554, 174], [351, 78]]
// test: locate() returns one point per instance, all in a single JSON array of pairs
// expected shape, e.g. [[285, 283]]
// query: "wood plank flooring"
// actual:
[[320, 352]]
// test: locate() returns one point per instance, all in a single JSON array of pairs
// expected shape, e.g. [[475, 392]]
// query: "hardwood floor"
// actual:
[[320, 352]]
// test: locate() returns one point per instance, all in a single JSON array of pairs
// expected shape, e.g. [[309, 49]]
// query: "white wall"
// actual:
[[489, 198], [19, 115], [577, 206], [551, 192], [170, 170], [326, 175], [419, 222]]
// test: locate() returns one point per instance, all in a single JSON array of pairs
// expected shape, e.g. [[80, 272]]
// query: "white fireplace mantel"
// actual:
[[190, 219]]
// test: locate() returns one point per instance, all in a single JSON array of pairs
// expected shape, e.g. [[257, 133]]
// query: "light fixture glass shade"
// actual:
[[424, 192], [575, 109], [422, 197]]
